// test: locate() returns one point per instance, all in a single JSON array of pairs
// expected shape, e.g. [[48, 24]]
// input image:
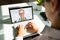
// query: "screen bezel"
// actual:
[[12, 8]]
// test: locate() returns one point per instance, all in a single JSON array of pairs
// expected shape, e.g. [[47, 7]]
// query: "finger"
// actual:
[[21, 27], [18, 27], [26, 26], [30, 23]]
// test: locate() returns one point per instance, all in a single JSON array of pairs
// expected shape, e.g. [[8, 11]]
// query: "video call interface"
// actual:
[[21, 14]]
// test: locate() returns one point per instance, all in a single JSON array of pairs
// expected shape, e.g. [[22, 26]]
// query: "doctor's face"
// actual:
[[21, 13]]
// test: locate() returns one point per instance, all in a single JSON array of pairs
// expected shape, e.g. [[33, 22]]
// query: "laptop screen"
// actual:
[[18, 14]]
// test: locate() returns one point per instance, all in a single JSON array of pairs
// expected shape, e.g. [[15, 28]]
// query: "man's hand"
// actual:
[[31, 27], [20, 30]]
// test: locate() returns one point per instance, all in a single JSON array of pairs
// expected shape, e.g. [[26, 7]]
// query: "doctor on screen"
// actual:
[[22, 15]]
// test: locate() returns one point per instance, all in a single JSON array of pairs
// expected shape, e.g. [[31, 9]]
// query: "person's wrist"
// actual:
[[20, 35], [36, 30]]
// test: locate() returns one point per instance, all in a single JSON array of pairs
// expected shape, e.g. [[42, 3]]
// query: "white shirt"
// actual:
[[19, 38], [47, 34]]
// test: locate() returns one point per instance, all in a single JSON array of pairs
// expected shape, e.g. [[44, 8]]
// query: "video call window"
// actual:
[[19, 14]]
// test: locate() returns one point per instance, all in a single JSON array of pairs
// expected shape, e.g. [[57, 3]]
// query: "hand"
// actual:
[[20, 30], [31, 27]]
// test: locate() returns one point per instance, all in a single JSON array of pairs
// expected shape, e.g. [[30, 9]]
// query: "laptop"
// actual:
[[21, 16]]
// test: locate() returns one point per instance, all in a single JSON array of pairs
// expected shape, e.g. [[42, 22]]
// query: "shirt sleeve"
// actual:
[[19, 38]]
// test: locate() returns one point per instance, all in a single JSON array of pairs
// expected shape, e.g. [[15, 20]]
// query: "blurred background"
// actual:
[[4, 2]]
